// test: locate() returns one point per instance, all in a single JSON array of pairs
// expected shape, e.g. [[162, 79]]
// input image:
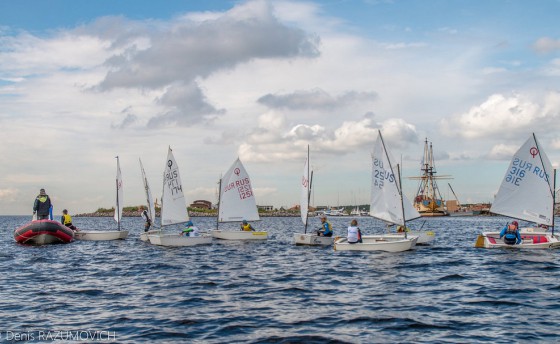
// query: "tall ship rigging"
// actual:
[[428, 200]]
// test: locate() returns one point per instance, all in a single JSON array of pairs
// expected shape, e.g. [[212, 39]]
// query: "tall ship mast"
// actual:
[[428, 200]]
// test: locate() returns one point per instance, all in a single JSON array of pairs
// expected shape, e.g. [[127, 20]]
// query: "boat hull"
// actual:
[[461, 213], [424, 237], [43, 232], [239, 235], [312, 240], [100, 235], [432, 213], [144, 235], [176, 240], [375, 244], [536, 240]]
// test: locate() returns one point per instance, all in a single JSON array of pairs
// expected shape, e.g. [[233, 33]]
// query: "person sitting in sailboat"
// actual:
[[66, 220], [402, 229], [190, 230], [146, 218], [354, 235], [326, 228], [511, 234], [246, 226]]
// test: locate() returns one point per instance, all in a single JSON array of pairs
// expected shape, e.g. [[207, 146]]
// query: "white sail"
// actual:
[[527, 189], [237, 201], [119, 198], [386, 202], [149, 199], [305, 190], [174, 206]]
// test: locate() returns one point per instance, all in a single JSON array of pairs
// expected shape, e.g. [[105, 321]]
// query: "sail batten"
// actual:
[[386, 203], [527, 190], [237, 201], [174, 206]]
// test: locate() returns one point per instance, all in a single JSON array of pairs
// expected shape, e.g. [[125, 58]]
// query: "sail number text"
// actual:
[[243, 187], [380, 175], [519, 168], [172, 180]]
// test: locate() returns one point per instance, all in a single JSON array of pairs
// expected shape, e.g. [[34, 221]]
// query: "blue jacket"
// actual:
[[327, 228], [517, 235]]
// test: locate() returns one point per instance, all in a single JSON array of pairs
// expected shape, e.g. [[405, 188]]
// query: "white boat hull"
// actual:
[[239, 235], [536, 240], [174, 240], [376, 244], [144, 235], [100, 235], [312, 239], [424, 237]]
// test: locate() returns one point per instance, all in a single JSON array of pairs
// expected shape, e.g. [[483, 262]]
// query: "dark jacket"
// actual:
[[42, 205]]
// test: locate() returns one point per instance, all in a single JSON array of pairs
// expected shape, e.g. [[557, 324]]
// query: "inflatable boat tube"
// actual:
[[43, 232]]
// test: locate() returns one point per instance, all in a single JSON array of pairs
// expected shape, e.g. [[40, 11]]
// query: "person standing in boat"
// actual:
[[354, 234], [146, 217], [190, 230], [246, 226], [66, 220], [42, 205], [326, 227], [511, 234]]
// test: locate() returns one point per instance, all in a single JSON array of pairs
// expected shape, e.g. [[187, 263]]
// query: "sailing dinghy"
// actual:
[[308, 238], [237, 203], [526, 193], [174, 209], [387, 204], [150, 204], [98, 235]]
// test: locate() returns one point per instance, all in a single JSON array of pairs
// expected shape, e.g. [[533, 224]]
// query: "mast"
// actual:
[[118, 208], [553, 190], [219, 203], [309, 181], [399, 185], [553, 201], [402, 201]]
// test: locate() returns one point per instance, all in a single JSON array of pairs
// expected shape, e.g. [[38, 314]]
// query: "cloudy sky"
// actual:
[[84, 81]]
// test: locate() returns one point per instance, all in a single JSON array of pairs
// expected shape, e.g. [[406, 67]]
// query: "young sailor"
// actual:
[[354, 234], [245, 226], [190, 230], [146, 218], [326, 228], [511, 234], [66, 220]]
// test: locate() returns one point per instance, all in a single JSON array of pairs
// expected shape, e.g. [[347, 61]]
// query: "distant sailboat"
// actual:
[[95, 235], [149, 203], [428, 200], [528, 193], [174, 209], [306, 184], [387, 203], [237, 203]]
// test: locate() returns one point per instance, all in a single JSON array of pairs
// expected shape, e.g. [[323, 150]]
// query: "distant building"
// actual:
[[265, 207], [201, 204]]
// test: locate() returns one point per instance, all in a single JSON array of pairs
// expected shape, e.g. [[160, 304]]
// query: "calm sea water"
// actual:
[[276, 292]]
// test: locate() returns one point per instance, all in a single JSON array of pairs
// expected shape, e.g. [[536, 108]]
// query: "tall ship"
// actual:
[[428, 200]]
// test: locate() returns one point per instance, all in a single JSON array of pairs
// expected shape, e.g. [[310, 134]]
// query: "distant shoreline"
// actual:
[[191, 214]]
